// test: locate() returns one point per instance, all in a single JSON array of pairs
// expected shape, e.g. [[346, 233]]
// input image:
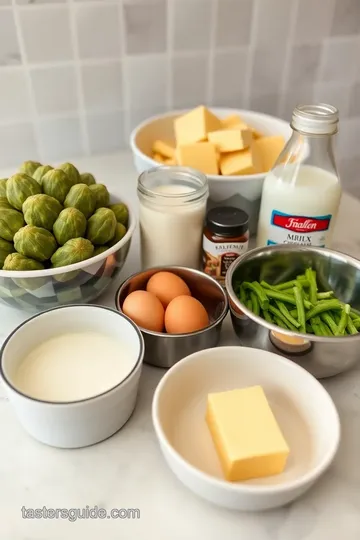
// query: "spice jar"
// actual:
[[225, 238]]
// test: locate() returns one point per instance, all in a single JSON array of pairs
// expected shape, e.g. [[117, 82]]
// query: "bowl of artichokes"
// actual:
[[63, 237]]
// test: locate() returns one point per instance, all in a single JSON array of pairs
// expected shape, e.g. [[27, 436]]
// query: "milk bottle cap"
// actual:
[[319, 119]]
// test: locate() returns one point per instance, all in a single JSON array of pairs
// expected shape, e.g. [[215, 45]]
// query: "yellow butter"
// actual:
[[241, 162], [246, 435], [269, 148], [194, 126], [170, 161], [229, 140], [233, 120], [164, 149], [158, 157], [201, 156]]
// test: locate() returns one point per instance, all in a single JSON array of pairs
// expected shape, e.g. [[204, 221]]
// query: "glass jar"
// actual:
[[172, 204], [301, 194]]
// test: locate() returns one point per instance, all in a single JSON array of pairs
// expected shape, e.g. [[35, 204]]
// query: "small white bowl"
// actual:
[[78, 423], [304, 410]]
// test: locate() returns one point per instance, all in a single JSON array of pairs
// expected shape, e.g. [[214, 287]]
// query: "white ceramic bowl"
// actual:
[[241, 191], [78, 423], [38, 290], [304, 410]]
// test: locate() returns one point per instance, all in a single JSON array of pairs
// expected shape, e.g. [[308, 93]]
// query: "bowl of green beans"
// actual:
[[299, 301]]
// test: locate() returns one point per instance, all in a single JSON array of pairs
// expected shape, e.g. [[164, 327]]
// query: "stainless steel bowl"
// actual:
[[164, 350], [325, 356]]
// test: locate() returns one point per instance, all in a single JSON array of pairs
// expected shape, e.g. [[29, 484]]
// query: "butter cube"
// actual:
[[229, 140], [241, 162], [158, 157], [269, 148], [170, 161], [194, 126], [164, 149], [246, 436], [201, 156], [232, 120]]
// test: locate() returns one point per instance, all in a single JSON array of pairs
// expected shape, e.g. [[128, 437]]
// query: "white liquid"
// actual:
[[171, 233], [315, 194], [74, 366]]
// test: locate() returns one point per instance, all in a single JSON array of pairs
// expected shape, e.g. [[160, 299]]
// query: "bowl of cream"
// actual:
[[72, 374]]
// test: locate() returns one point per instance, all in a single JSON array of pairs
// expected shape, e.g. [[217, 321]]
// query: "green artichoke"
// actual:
[[57, 184], [81, 197], [35, 242], [102, 195], [74, 251], [3, 187], [100, 249], [29, 167], [87, 178], [10, 222], [16, 261], [41, 210], [4, 203], [71, 223], [5, 249], [101, 226], [72, 173], [19, 187], [40, 172], [120, 232], [121, 212]]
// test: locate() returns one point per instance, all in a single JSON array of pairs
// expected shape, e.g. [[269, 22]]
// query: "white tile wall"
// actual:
[[77, 75]]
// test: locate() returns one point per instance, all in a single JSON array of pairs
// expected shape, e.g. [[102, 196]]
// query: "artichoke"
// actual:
[[71, 223], [19, 187], [4, 203], [100, 249], [102, 195], [41, 210], [120, 232], [57, 184], [29, 167], [40, 172], [35, 242], [87, 178], [3, 187], [16, 261], [101, 226], [81, 197], [121, 212], [10, 222], [72, 172], [74, 251], [5, 249]]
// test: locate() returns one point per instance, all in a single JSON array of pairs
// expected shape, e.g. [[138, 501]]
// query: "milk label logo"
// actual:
[[303, 230]]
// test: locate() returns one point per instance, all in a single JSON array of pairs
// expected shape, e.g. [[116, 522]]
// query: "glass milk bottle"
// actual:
[[301, 194], [172, 209]]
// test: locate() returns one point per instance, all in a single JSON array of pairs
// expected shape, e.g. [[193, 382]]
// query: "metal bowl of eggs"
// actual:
[[178, 310]]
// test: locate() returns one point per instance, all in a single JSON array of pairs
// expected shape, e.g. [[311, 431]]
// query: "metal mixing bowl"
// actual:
[[164, 350], [325, 356]]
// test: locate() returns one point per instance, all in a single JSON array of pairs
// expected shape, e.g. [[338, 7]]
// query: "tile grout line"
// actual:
[[80, 91], [126, 102], [170, 15], [211, 53], [251, 54], [26, 70], [287, 62]]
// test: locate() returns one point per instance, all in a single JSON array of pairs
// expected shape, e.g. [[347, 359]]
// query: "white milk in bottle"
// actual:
[[301, 195]]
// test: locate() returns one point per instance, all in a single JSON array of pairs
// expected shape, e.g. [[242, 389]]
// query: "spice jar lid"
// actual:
[[227, 221]]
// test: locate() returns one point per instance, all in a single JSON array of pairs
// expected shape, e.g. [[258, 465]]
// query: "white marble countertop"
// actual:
[[128, 471]]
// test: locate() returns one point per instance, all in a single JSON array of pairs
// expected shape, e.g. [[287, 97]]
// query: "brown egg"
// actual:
[[145, 310], [167, 286], [185, 314]]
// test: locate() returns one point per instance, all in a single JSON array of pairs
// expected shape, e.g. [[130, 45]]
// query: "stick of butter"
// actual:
[[246, 436]]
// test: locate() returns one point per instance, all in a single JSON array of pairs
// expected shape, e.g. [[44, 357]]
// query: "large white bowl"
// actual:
[[78, 423], [241, 191], [303, 408], [38, 290]]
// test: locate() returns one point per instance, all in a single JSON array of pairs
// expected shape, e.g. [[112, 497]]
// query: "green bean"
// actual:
[[255, 303], [343, 320], [321, 306], [284, 310], [280, 323], [354, 311], [325, 329], [267, 316], [249, 304], [356, 323], [242, 295], [300, 307], [311, 276], [259, 291], [325, 295], [289, 284], [308, 328], [350, 327], [294, 313], [278, 314], [278, 295], [328, 319], [316, 326]]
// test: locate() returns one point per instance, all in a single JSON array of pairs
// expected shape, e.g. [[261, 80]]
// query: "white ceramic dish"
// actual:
[[304, 410], [78, 423], [241, 191]]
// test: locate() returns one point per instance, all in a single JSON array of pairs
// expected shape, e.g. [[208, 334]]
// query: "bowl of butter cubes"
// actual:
[[235, 148]]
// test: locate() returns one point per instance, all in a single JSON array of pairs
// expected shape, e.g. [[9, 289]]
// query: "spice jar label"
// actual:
[[217, 257]]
